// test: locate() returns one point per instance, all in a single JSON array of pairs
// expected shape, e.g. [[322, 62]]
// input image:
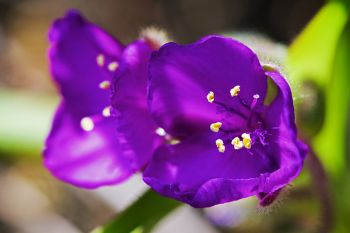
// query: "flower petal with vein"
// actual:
[[210, 96], [88, 145]]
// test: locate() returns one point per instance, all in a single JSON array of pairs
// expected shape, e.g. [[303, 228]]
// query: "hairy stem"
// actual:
[[322, 186]]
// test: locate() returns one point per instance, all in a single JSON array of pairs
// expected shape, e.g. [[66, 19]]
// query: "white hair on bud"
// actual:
[[155, 36], [277, 203]]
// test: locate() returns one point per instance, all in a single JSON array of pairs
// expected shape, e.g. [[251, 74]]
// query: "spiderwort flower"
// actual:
[[210, 96], [90, 143]]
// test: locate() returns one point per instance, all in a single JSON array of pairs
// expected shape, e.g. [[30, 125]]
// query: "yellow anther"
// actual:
[[106, 112], [113, 66], [87, 124], [221, 148], [210, 97], [237, 143], [105, 85], [100, 59], [219, 142], [174, 141], [220, 145], [247, 141], [235, 90], [215, 127]]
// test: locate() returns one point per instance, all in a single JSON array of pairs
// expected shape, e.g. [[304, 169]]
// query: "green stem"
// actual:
[[141, 216]]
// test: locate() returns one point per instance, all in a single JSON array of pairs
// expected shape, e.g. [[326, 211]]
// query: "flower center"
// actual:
[[242, 140]]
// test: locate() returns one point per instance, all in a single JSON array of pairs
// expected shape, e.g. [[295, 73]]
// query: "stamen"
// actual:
[[219, 142], [100, 59], [220, 145], [215, 127], [255, 100], [160, 131], [247, 141], [174, 141], [105, 85], [235, 90], [210, 97], [106, 112], [87, 124], [237, 143], [113, 66]]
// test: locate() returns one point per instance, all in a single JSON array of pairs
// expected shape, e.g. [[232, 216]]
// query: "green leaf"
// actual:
[[311, 56], [317, 57], [141, 216], [331, 142]]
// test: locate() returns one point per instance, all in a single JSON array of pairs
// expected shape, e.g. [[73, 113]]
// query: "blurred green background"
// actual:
[[309, 40]]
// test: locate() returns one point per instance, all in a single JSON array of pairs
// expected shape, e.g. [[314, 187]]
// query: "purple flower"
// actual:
[[91, 144], [209, 96]]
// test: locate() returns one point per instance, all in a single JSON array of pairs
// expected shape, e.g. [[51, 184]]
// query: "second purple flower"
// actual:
[[95, 141]]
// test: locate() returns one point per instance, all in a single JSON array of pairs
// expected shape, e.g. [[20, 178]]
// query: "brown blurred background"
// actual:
[[24, 25]]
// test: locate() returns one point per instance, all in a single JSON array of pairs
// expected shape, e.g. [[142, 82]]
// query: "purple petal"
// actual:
[[182, 75], [196, 173], [86, 159], [280, 121], [129, 101], [75, 45]]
